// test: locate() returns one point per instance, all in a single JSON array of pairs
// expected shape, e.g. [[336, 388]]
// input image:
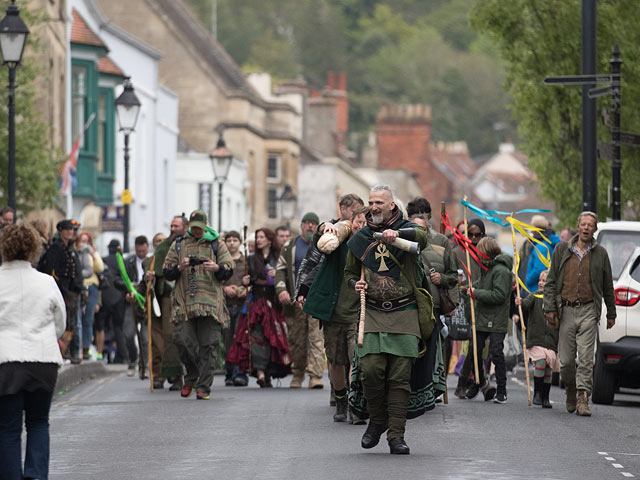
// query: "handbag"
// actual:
[[447, 306], [458, 323], [424, 301]]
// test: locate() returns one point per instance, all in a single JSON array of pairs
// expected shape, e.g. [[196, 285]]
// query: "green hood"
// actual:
[[209, 234]]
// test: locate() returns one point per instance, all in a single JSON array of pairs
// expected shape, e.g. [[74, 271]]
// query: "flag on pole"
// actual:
[[68, 169]]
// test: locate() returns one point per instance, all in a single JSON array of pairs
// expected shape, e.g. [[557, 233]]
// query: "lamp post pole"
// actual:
[[12, 138], [125, 227], [220, 184]]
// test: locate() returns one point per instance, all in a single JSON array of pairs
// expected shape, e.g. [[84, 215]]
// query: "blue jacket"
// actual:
[[536, 267]]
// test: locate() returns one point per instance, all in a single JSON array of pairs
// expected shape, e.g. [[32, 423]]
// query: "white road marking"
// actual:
[[620, 453], [611, 459], [616, 465], [627, 474], [603, 453]]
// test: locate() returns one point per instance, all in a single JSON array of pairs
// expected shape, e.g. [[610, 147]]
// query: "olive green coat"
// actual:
[[493, 295]]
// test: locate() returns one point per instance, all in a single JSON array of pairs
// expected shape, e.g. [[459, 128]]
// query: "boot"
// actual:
[[315, 383], [372, 435], [461, 389], [572, 401], [397, 446], [342, 403], [583, 404], [546, 388], [296, 381], [537, 390]]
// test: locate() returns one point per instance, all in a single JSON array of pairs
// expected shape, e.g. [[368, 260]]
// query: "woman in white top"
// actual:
[[32, 318]]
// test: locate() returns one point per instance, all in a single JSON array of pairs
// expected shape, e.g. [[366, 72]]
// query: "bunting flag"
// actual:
[[125, 278], [68, 169]]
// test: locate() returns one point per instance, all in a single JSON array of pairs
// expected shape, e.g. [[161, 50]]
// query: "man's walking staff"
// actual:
[[363, 306], [443, 211], [473, 310], [246, 302], [524, 336], [149, 307]]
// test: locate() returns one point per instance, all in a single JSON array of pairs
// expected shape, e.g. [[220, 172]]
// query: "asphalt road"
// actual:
[[114, 428]]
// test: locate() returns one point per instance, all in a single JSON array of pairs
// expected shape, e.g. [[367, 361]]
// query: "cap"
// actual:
[[67, 223], [198, 219], [114, 243], [311, 217]]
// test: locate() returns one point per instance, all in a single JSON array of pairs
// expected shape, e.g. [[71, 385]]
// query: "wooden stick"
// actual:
[[149, 308], [473, 310], [363, 305], [524, 336], [246, 302], [443, 211], [139, 337]]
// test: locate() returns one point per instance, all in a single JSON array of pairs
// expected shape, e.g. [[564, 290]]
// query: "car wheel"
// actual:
[[604, 382]]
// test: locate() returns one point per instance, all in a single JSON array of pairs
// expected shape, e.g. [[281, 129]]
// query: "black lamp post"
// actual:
[[288, 203], [127, 110], [13, 37], [221, 159]]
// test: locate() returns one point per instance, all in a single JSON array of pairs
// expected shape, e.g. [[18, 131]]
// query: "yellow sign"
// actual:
[[126, 197]]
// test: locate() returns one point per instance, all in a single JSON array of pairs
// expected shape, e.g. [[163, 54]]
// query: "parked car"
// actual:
[[617, 362]]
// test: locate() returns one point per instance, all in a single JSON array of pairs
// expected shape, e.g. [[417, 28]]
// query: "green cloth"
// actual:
[[538, 332], [493, 295], [601, 277], [401, 345]]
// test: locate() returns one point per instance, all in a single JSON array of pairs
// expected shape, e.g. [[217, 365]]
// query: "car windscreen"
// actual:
[[619, 245]]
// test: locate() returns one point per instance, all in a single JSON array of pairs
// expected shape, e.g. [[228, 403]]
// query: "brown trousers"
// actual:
[[306, 344]]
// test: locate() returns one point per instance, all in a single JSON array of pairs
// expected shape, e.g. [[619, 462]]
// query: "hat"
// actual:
[[114, 243], [198, 219], [539, 221], [311, 217], [67, 223], [478, 223]]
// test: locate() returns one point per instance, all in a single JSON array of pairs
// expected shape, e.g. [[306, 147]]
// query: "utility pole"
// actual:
[[589, 134]]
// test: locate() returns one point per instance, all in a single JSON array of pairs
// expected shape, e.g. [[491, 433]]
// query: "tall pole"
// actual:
[[589, 162], [12, 138], [125, 229], [220, 206], [616, 162]]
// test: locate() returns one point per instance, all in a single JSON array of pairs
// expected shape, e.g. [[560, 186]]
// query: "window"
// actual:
[[78, 102], [273, 167], [102, 132], [619, 245], [272, 203]]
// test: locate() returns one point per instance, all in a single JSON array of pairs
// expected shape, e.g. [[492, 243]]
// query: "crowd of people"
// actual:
[[368, 295]]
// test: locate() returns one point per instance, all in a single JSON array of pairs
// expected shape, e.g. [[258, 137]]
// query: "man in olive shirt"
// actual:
[[392, 327], [579, 280]]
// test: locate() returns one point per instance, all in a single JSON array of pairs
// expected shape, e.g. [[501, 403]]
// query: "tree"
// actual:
[[538, 39], [37, 164]]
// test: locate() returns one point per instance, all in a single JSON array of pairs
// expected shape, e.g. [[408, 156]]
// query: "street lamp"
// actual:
[[127, 110], [221, 159], [288, 203], [13, 37]]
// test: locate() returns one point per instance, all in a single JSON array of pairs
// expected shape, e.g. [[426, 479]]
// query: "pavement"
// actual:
[[114, 427], [70, 375]]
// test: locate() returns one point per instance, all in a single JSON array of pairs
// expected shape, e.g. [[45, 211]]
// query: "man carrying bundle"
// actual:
[[327, 297], [392, 328]]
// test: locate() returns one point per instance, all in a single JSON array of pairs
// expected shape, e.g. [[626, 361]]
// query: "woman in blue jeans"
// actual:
[[32, 318]]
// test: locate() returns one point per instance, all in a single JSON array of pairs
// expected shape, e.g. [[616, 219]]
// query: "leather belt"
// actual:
[[577, 303], [392, 304]]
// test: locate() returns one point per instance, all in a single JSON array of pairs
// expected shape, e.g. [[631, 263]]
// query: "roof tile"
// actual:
[[81, 33]]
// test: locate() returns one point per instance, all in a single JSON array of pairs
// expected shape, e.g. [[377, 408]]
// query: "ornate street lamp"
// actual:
[[221, 160], [127, 110], [13, 37], [288, 203]]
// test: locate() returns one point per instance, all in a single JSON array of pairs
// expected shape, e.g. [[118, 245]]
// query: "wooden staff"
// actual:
[[246, 302], [139, 337], [149, 308], [473, 310], [363, 305], [443, 211], [524, 336]]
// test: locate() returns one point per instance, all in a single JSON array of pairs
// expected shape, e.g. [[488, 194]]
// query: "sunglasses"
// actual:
[[476, 235]]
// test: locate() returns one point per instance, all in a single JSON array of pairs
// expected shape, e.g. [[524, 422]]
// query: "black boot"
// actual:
[[342, 404], [537, 390], [397, 446], [372, 435], [546, 388]]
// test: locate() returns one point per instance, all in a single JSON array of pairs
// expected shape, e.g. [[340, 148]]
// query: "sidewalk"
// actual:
[[69, 375]]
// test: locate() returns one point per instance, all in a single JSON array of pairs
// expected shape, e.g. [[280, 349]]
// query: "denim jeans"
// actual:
[[36, 406]]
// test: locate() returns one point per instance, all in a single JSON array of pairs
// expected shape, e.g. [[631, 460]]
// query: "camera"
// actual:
[[194, 261]]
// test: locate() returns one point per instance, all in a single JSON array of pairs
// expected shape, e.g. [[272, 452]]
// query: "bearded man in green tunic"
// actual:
[[392, 328]]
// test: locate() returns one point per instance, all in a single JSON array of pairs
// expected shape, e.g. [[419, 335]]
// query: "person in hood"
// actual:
[[199, 263], [492, 294], [549, 241]]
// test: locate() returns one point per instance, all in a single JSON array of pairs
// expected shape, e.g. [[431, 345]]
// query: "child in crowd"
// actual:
[[542, 344]]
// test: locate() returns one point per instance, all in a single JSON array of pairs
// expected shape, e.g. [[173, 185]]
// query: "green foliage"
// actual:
[[36, 164], [392, 51], [538, 39]]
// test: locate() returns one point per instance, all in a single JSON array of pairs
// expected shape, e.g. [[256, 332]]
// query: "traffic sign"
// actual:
[[605, 150], [600, 91], [126, 197], [578, 79], [630, 139]]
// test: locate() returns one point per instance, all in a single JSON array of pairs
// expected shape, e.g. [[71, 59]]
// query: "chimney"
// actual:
[[331, 81], [342, 81]]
